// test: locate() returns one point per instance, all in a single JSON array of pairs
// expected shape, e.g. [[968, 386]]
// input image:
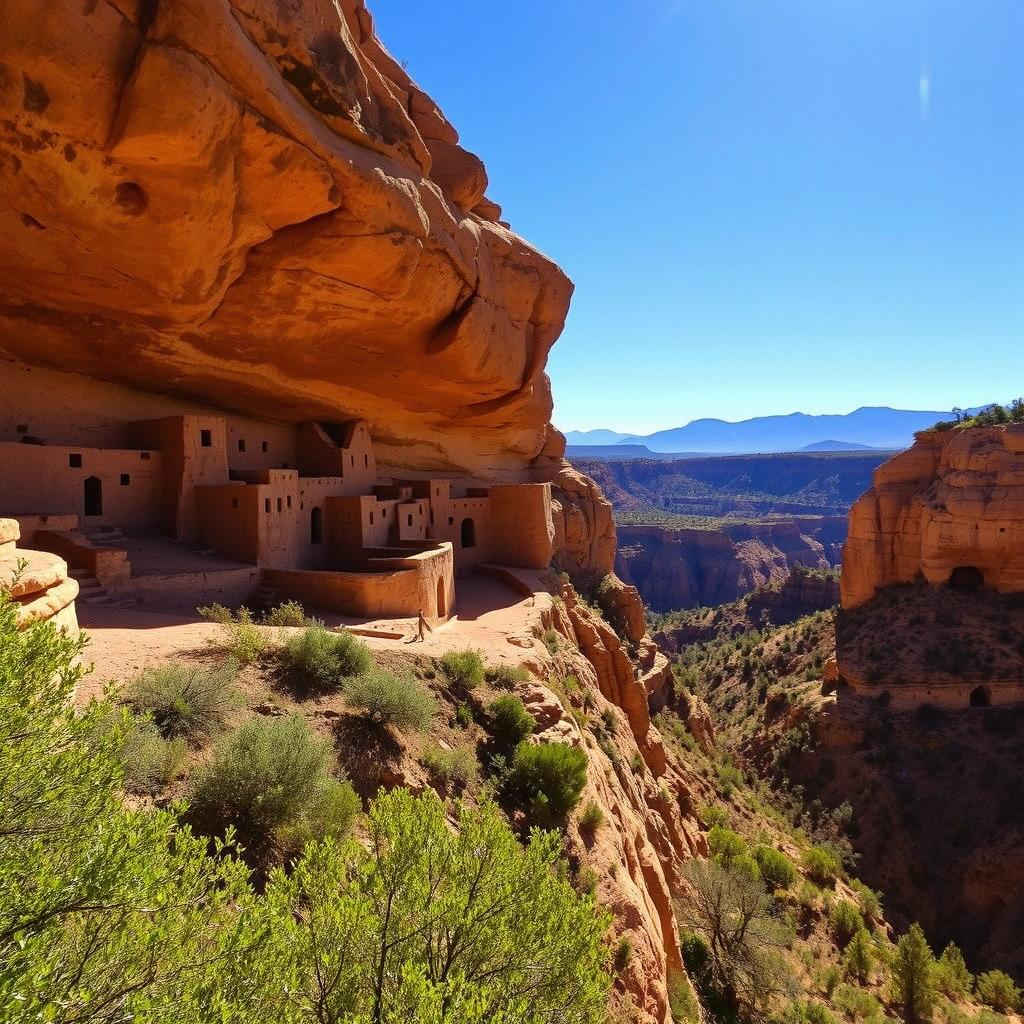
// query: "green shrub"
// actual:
[[821, 864], [711, 815], [951, 974], [463, 716], [996, 989], [807, 1013], [682, 1000], [547, 778], [216, 613], [856, 1004], [389, 699], [623, 954], [245, 641], [450, 769], [859, 956], [869, 900], [507, 677], [322, 660], [591, 817], [845, 921], [552, 641], [288, 613], [150, 761], [776, 868], [729, 777], [510, 722], [186, 700], [724, 845], [271, 781], [463, 668]]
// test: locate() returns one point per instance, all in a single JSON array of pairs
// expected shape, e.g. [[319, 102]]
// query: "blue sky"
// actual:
[[765, 205]]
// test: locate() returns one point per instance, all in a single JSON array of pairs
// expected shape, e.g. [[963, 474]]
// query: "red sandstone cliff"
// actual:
[[955, 500], [251, 203], [690, 568]]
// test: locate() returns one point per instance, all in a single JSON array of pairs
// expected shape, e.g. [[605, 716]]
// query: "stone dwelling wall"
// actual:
[[400, 587], [523, 529], [41, 478], [194, 454]]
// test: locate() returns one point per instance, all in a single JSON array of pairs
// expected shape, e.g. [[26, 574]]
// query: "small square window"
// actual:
[[126, 479], [264, 445], [22, 428], [280, 504], [241, 444], [451, 520], [144, 456], [266, 504], [75, 461], [206, 438], [234, 503], [289, 501]]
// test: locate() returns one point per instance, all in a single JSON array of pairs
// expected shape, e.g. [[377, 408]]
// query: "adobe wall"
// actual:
[[478, 511], [194, 454], [948, 696], [522, 526], [41, 478], [353, 461], [187, 591], [31, 524], [400, 590]]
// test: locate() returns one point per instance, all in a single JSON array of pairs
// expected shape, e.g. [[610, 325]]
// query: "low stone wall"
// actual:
[[399, 586], [187, 591], [948, 696]]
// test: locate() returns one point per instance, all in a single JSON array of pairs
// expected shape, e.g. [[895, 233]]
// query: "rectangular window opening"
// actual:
[[264, 445], [75, 461], [144, 456], [241, 444], [206, 438], [266, 504], [280, 504], [126, 479]]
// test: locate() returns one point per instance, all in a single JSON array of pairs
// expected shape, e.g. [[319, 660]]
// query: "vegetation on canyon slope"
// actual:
[[771, 705], [111, 911]]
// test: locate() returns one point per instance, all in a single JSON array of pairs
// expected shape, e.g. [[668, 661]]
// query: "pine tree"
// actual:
[[913, 976]]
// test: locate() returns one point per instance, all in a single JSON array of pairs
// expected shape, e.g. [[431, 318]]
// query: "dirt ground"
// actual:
[[490, 617]]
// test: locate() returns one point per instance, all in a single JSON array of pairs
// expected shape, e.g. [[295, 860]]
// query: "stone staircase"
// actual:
[[90, 590]]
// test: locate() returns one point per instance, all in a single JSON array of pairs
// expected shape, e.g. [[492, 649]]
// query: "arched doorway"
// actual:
[[316, 525], [442, 599], [966, 577], [981, 697], [468, 533], [93, 488]]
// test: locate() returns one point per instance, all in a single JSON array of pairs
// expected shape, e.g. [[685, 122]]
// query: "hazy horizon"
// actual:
[[763, 206]]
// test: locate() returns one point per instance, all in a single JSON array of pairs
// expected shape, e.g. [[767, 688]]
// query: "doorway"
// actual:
[[93, 496]]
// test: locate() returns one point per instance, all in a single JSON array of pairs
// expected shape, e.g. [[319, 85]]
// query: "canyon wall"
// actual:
[[250, 204], [948, 510], [691, 568]]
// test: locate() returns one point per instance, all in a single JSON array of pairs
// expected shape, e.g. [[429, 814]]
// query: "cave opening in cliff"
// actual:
[[981, 697], [468, 533], [966, 577], [93, 488]]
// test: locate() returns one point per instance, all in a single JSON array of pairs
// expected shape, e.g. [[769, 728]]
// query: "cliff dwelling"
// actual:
[[202, 504]]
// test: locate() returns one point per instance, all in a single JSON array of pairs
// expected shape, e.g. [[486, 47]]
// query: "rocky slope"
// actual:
[[802, 592], [928, 800], [250, 202], [950, 509], [691, 568]]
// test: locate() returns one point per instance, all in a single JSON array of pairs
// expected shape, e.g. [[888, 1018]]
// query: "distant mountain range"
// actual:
[[863, 429]]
